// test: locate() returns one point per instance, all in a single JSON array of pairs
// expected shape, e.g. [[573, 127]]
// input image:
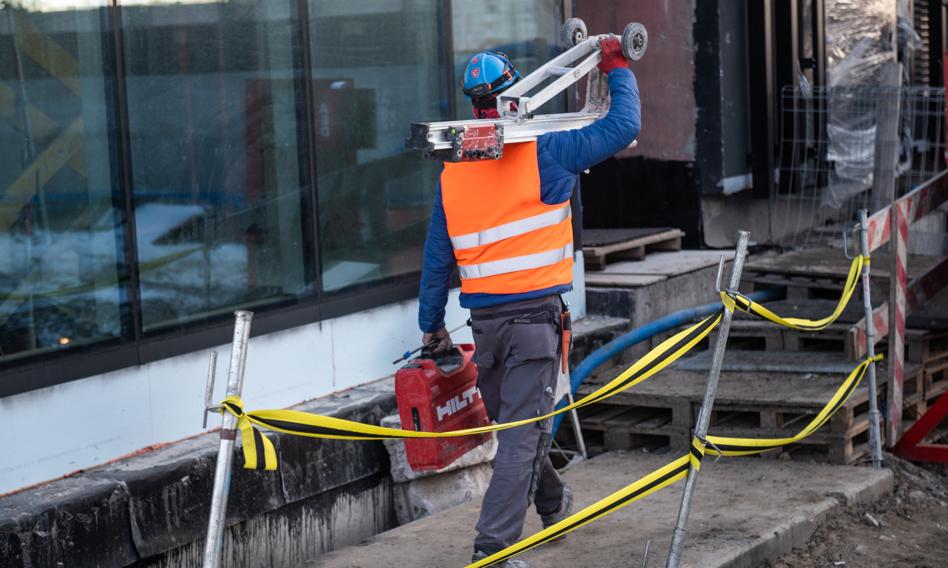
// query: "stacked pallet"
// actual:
[[601, 246], [930, 350], [774, 380], [813, 279], [758, 397]]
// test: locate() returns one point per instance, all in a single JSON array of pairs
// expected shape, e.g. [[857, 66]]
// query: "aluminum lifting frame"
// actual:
[[462, 140]]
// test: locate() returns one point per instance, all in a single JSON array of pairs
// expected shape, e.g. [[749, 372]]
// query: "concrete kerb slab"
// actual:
[[746, 511], [421, 493], [402, 471]]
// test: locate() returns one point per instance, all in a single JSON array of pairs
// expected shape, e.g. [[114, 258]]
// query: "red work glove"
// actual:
[[443, 340], [612, 57]]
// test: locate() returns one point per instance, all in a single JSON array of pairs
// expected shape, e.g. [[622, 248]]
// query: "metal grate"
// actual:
[[832, 163], [921, 60]]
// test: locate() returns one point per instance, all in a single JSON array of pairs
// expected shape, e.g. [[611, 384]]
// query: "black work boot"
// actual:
[[480, 555], [566, 508]]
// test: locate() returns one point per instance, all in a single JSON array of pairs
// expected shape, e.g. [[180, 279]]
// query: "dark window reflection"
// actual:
[[59, 248], [216, 98], [526, 30], [376, 69], [216, 175]]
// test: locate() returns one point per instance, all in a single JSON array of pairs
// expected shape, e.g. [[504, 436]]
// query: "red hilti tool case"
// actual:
[[438, 394]]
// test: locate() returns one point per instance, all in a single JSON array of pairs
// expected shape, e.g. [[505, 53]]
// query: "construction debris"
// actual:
[[909, 527]]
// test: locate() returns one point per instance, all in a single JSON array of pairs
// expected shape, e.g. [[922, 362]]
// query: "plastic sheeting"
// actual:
[[860, 39]]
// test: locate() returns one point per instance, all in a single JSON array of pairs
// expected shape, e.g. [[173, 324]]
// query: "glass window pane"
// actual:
[[60, 236], [376, 68], [212, 105], [527, 31]]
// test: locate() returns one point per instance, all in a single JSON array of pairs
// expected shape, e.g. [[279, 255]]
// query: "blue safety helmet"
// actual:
[[487, 73]]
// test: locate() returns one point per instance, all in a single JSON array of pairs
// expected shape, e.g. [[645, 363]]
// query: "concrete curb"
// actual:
[[799, 527]]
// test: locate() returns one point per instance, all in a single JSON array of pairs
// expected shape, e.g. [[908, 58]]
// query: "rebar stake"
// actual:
[[875, 437], [225, 454], [704, 416]]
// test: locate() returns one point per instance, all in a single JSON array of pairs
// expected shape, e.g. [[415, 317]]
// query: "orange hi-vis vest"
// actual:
[[505, 239]]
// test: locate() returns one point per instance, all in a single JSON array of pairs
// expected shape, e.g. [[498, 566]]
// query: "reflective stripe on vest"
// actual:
[[525, 262], [512, 229]]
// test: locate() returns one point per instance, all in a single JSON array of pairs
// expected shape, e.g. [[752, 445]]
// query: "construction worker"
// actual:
[[506, 225]]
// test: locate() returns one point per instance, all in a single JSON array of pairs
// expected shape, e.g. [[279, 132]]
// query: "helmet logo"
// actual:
[[475, 72], [475, 60]]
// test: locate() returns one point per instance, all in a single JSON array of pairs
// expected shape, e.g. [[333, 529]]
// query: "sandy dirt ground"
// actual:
[[909, 528]]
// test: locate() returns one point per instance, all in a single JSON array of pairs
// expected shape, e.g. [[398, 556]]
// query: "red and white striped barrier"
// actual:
[[898, 291], [916, 204], [892, 223], [880, 328], [919, 291]]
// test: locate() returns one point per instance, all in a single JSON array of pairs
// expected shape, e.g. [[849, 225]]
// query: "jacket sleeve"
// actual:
[[580, 149], [438, 264]]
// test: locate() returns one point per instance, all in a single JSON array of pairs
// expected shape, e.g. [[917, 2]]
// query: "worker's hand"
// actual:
[[612, 57], [441, 336]]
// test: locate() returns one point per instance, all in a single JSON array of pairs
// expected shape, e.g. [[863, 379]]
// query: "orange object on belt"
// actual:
[[505, 239], [566, 335]]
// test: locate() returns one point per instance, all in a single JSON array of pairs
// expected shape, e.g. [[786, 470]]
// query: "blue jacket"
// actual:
[[561, 156]]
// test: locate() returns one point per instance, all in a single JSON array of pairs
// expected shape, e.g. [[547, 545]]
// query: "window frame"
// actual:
[[136, 347]]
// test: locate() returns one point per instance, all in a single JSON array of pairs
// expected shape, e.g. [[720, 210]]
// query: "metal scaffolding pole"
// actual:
[[225, 454], [704, 416], [875, 437]]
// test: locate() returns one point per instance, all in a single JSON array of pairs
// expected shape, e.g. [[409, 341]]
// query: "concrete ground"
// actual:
[[746, 511]]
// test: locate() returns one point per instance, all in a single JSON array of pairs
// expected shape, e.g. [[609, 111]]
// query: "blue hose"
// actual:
[[673, 320]]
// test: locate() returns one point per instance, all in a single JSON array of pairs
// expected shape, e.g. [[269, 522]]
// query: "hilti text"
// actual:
[[457, 403]]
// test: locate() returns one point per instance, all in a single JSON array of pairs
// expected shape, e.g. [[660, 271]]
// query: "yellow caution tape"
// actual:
[[746, 446], [733, 299], [250, 437], [639, 489], [319, 426], [255, 444], [678, 469]]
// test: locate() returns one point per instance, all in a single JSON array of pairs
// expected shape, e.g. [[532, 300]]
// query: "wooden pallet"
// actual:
[[655, 268], [928, 347], [603, 245], [752, 334], [751, 405], [819, 273], [842, 440], [932, 384], [626, 426], [830, 264], [760, 335], [914, 401]]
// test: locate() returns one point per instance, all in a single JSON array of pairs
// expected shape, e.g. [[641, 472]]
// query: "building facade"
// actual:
[[165, 163]]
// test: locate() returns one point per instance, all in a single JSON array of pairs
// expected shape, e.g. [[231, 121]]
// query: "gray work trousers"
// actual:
[[518, 351]]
